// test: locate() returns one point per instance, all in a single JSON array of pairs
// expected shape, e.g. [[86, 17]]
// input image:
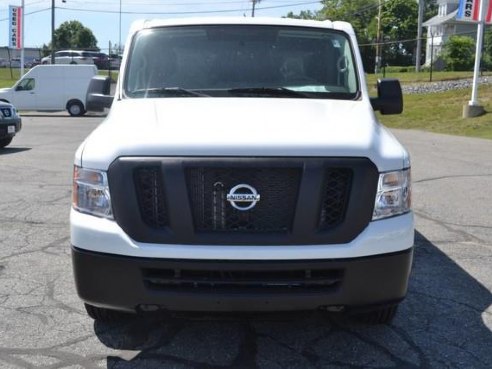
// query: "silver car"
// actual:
[[10, 123], [70, 57]]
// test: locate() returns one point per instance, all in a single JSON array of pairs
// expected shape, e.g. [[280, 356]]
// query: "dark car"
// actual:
[[10, 123], [115, 61], [101, 60]]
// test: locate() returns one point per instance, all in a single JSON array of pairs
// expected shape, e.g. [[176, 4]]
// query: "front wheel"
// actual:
[[5, 141], [75, 108]]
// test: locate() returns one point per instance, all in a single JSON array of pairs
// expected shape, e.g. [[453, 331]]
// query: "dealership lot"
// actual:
[[445, 322]]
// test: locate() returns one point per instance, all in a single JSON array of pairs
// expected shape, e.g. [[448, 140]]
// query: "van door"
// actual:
[[25, 95]]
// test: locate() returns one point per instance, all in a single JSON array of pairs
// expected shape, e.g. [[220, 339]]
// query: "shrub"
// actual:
[[459, 53]]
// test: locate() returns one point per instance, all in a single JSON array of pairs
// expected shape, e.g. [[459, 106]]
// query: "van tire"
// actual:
[[5, 141], [105, 315], [75, 108]]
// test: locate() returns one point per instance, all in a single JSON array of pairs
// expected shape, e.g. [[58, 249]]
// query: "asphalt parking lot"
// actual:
[[445, 322]]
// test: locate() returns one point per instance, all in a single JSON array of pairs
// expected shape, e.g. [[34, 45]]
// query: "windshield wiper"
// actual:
[[168, 91], [267, 91]]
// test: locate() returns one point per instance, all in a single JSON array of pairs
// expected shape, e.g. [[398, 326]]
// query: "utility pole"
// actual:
[[377, 64], [419, 35], [254, 6], [52, 31], [119, 33], [22, 18]]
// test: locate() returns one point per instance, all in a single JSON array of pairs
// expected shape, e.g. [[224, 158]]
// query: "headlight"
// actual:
[[91, 192], [394, 194]]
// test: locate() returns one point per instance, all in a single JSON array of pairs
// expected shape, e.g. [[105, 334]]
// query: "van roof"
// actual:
[[145, 24], [84, 69]]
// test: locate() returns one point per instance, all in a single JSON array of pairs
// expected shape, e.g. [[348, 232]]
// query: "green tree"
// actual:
[[362, 15], [458, 53], [398, 23], [304, 14], [487, 50], [73, 35]]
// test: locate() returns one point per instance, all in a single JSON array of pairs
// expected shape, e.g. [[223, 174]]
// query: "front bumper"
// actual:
[[132, 283], [15, 125]]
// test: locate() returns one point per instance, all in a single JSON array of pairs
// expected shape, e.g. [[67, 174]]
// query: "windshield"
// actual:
[[241, 60]]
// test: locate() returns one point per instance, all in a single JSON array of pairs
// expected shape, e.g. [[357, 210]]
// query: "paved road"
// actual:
[[445, 322]]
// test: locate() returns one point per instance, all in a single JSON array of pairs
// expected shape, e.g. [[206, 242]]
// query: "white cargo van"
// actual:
[[242, 168], [51, 88]]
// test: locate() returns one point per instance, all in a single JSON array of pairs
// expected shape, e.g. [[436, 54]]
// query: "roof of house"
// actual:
[[439, 19]]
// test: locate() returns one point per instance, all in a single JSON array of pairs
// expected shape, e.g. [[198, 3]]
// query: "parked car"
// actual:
[[15, 63], [10, 123], [115, 61], [30, 61], [70, 57], [101, 60], [3, 63]]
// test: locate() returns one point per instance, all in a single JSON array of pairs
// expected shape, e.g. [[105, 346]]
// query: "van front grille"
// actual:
[[336, 192], [194, 200], [274, 212], [150, 194]]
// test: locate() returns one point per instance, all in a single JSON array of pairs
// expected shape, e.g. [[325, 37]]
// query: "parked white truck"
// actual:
[[242, 168], [52, 88]]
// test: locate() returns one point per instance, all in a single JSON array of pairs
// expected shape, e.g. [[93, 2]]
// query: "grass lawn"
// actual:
[[442, 113], [423, 76]]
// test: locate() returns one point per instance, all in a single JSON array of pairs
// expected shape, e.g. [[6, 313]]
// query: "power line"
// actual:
[[185, 12], [30, 13]]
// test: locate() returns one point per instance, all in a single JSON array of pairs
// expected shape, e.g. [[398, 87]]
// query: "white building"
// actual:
[[444, 25]]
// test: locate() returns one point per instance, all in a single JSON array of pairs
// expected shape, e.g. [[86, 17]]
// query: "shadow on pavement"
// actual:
[[440, 324], [13, 150], [64, 115]]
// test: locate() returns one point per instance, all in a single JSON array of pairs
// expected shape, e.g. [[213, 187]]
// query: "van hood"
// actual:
[[241, 127]]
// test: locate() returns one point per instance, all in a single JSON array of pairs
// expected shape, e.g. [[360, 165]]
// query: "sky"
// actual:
[[103, 16]]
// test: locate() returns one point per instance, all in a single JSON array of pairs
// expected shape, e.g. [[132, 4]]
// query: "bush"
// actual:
[[459, 53]]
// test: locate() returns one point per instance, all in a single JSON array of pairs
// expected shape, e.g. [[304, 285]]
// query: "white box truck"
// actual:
[[242, 168], [52, 88]]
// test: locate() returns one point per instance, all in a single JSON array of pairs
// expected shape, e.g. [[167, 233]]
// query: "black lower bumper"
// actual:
[[131, 283], [4, 127]]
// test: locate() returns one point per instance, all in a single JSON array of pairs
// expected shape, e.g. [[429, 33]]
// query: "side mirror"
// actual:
[[98, 94], [390, 98]]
